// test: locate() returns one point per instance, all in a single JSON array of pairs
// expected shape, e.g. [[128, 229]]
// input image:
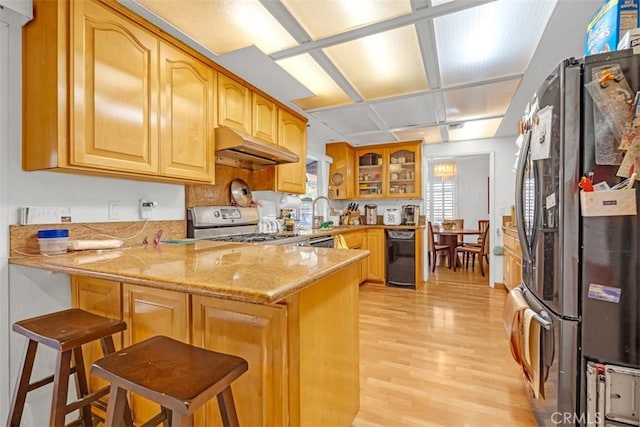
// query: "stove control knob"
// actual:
[[216, 214]]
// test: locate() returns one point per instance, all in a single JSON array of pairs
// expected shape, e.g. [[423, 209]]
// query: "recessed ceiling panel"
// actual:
[[477, 129], [324, 18], [494, 39], [479, 101], [430, 134], [224, 25], [347, 120], [371, 138], [309, 73], [407, 111], [383, 64]]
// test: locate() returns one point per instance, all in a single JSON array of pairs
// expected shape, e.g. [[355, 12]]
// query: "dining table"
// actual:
[[449, 237]]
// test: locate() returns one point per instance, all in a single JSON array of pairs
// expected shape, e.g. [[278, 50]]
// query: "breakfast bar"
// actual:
[[291, 312]]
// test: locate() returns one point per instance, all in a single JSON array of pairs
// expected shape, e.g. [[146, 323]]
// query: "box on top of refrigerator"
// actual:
[[612, 20]]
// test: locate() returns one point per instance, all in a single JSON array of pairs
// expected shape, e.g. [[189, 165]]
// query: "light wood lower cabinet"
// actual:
[[149, 312], [258, 334], [512, 258], [375, 243], [101, 297], [303, 353], [356, 240]]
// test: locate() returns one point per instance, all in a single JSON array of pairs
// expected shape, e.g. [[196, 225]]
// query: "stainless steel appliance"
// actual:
[[401, 258], [371, 214], [234, 224], [579, 273], [410, 214], [321, 241], [392, 217], [239, 149]]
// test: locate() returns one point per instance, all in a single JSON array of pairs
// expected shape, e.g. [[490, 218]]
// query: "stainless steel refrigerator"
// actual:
[[566, 254]]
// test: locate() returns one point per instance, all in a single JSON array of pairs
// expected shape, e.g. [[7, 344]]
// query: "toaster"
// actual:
[[392, 217]]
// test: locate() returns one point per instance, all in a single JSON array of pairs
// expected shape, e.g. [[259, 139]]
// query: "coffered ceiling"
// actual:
[[374, 71]]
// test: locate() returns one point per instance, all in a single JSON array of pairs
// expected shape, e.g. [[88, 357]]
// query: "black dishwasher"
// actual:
[[401, 258]]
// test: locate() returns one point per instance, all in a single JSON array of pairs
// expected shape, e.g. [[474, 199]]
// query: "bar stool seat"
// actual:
[[179, 377], [65, 331]]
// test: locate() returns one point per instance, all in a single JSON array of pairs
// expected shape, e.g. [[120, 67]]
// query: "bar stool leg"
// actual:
[[82, 386], [109, 347], [116, 409], [20, 394], [60, 388], [227, 408]]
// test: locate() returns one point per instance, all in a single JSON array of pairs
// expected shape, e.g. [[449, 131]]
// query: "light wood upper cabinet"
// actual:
[[264, 119], [187, 88], [114, 93], [341, 171], [371, 172], [234, 104], [287, 177], [389, 171], [292, 134], [404, 171], [99, 98]]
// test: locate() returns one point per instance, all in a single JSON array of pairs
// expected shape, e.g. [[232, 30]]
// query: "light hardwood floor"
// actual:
[[438, 356]]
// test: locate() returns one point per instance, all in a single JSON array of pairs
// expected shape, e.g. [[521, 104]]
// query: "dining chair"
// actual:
[[483, 224], [434, 248], [482, 251]]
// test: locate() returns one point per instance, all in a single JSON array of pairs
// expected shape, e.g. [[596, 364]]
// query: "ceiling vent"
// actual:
[[455, 126]]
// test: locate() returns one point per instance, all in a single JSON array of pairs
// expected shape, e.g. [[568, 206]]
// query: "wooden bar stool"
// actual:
[[179, 377], [65, 331]]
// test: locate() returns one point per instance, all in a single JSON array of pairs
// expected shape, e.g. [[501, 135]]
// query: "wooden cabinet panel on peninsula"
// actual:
[[235, 328], [94, 104], [288, 177]]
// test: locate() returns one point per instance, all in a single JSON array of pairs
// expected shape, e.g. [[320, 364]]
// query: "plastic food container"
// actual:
[[53, 242]]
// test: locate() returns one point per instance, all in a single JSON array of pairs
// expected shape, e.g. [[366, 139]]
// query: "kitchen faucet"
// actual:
[[313, 210]]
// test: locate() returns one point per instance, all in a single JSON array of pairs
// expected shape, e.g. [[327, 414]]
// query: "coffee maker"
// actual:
[[410, 214], [370, 214]]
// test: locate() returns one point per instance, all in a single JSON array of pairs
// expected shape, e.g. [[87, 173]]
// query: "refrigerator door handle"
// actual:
[[522, 235], [542, 316]]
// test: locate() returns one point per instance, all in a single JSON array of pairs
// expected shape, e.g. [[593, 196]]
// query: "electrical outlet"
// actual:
[[114, 209], [146, 208]]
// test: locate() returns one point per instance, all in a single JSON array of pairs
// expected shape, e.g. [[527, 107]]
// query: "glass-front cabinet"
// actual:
[[404, 171], [389, 171], [371, 172]]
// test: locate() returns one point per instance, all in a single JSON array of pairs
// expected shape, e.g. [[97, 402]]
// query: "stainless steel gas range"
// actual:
[[234, 224]]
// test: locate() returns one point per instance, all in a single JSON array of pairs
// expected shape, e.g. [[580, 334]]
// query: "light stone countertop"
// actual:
[[238, 271]]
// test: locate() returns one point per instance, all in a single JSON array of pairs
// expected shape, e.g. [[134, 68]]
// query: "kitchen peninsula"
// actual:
[[291, 312]]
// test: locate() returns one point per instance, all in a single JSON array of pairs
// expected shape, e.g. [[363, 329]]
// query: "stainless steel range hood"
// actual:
[[239, 149]]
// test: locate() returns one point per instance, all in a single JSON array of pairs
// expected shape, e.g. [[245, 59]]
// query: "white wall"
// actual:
[[473, 187], [502, 184], [6, 33]]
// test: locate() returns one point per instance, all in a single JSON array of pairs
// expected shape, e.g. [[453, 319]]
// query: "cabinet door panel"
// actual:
[[265, 119], [186, 107], [292, 134], [150, 312], [375, 243], [104, 298], [234, 104], [114, 95], [258, 334]]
